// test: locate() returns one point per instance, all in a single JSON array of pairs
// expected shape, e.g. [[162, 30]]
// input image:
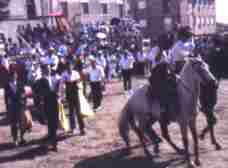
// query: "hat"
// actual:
[[92, 58]]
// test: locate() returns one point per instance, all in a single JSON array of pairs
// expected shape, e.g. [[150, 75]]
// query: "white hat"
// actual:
[[92, 58]]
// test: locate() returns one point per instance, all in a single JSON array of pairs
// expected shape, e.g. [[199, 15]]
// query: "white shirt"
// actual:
[[127, 62], [179, 52], [55, 60], [97, 74], [101, 61], [5, 62], [73, 76], [153, 53], [141, 56], [38, 73]]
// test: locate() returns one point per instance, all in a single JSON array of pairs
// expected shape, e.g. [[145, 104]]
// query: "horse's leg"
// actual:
[[195, 139], [213, 139], [184, 133], [211, 121], [153, 135], [204, 132], [139, 132], [209, 124], [165, 134]]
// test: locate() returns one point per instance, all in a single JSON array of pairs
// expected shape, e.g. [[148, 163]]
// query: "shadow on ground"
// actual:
[[120, 159], [4, 121], [31, 150], [26, 155]]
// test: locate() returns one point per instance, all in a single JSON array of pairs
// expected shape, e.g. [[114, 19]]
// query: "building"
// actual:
[[92, 11], [21, 12], [159, 16], [199, 15], [222, 16], [15, 12]]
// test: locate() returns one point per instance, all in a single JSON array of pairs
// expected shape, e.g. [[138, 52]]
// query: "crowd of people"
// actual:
[[57, 66], [48, 67]]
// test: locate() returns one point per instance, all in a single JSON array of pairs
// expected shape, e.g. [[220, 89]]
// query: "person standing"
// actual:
[[96, 77], [72, 77], [49, 85], [15, 92], [126, 65]]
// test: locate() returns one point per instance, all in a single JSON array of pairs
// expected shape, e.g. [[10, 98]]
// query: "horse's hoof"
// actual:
[[148, 154], [191, 165], [201, 137], [181, 151], [218, 147], [156, 149], [197, 162], [127, 151]]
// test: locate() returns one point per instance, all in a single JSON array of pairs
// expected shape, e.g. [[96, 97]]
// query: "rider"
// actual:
[[181, 49], [163, 79]]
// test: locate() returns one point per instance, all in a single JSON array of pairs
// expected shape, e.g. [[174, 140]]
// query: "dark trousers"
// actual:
[[15, 121], [51, 110], [96, 90], [127, 79], [6, 100], [141, 68], [75, 110]]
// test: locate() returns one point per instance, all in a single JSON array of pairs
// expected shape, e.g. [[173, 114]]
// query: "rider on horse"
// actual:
[[163, 77]]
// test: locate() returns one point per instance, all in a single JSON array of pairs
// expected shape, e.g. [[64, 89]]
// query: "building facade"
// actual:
[[199, 15], [92, 11], [159, 16], [22, 12], [16, 12]]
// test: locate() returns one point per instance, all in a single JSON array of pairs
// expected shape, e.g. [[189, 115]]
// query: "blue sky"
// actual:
[[222, 11]]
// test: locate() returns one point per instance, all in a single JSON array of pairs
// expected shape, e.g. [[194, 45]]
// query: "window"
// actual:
[[142, 5], [64, 8], [85, 7], [4, 11], [31, 9], [104, 8], [121, 10], [166, 6]]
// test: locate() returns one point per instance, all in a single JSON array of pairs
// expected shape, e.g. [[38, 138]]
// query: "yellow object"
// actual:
[[63, 119], [86, 110]]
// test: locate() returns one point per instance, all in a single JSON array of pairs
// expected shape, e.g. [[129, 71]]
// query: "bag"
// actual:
[[63, 121], [26, 120]]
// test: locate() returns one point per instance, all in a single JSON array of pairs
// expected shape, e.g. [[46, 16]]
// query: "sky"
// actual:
[[222, 11]]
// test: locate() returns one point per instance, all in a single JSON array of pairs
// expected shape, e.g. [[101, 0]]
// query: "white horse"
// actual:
[[140, 110]]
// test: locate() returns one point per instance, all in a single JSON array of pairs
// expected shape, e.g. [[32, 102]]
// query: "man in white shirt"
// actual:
[[72, 78], [96, 77], [141, 62], [180, 50], [126, 64]]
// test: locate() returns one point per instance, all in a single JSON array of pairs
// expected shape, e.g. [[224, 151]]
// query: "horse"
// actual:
[[208, 100], [215, 58], [140, 110]]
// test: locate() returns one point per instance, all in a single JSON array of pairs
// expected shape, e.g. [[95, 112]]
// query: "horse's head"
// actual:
[[202, 71]]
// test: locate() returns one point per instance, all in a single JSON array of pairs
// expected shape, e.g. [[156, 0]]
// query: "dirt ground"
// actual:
[[103, 148]]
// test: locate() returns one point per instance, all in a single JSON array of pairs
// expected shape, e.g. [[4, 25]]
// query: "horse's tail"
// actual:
[[124, 124]]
